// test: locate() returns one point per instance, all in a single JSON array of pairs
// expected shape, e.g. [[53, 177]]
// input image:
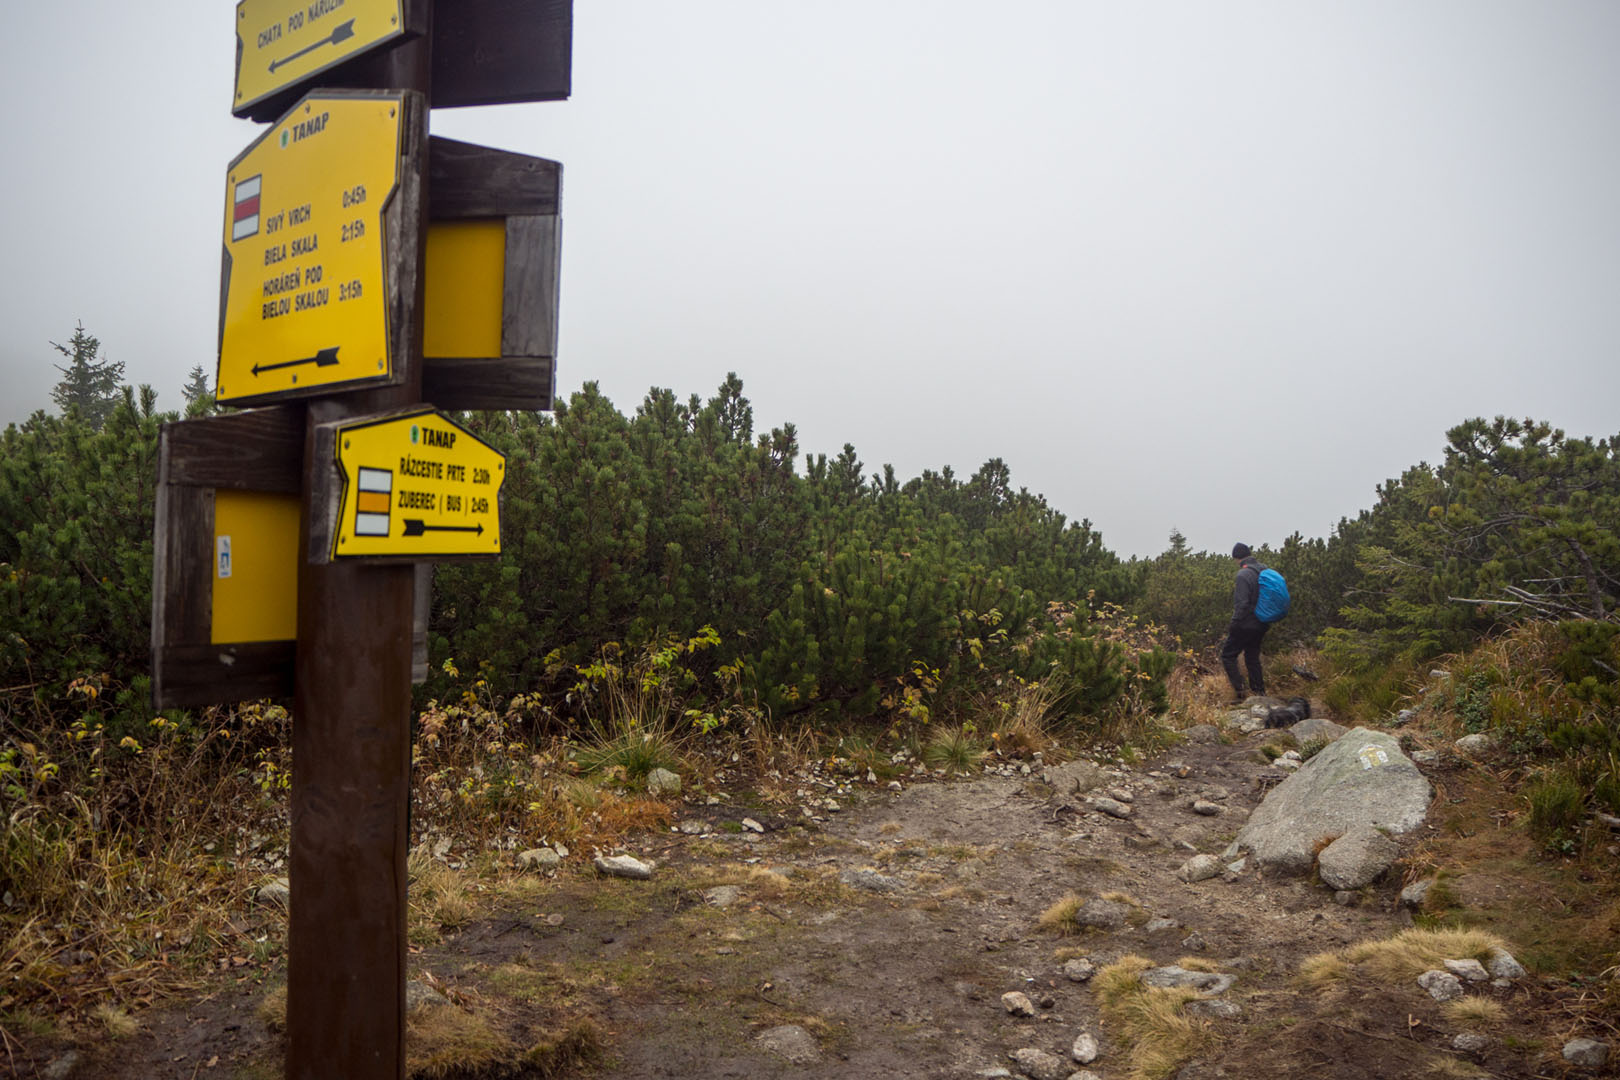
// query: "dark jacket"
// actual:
[[1245, 593]]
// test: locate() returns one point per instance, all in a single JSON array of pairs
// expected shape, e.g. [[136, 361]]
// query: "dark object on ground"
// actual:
[[1290, 714], [1306, 673]]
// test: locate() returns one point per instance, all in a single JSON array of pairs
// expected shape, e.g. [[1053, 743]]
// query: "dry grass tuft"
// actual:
[[272, 1010], [769, 882], [1481, 1013], [439, 897], [447, 1041], [1324, 970], [117, 1022], [1451, 1068], [1148, 1021], [575, 1049], [1059, 918], [1410, 953]]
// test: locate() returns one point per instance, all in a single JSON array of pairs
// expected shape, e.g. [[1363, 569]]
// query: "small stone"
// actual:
[[722, 896], [1121, 795], [895, 785], [1205, 807], [1111, 807], [1039, 1065], [1586, 1052], [62, 1067], [1426, 757], [870, 880], [1079, 970], [1218, 1008], [1155, 926], [1194, 941], [1501, 965], [1477, 743], [792, 1042], [422, 995], [1467, 970], [1441, 985], [663, 782], [1102, 914], [1471, 1042], [541, 859], [1439, 673], [1017, 1003], [1238, 866], [1344, 898], [625, 866], [1199, 868], [276, 891], [1414, 894], [995, 1072], [1084, 1074], [1085, 1048], [831, 806], [1208, 983], [752, 826], [693, 827]]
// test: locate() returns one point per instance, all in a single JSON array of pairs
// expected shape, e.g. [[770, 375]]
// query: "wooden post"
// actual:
[[351, 712]]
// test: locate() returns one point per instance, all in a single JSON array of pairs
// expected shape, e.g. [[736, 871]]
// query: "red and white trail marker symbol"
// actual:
[[245, 216]]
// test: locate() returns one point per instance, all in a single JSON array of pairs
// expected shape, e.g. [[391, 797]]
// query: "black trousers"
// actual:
[[1242, 640]]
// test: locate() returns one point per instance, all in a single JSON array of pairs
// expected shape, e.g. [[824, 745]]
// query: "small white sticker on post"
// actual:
[[222, 552], [1372, 756]]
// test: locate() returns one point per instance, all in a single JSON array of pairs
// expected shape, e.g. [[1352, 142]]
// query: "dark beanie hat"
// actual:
[[1240, 551]]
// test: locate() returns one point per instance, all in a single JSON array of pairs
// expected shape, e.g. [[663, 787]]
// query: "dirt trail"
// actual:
[[888, 930]]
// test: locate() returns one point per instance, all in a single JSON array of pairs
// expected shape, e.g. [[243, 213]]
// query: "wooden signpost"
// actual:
[[371, 276]]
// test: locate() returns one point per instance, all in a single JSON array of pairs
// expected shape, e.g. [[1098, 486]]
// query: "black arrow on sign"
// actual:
[[416, 527], [324, 358], [341, 32]]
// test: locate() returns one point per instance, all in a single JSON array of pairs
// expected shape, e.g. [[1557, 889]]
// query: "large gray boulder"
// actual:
[[1361, 779]]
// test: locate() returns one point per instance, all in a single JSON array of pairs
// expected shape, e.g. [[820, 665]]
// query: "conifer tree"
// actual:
[[89, 383], [199, 397]]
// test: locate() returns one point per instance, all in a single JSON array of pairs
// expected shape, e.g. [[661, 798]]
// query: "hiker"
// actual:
[[1247, 631]]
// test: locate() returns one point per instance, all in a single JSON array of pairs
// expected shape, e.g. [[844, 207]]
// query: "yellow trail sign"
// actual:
[[304, 301], [416, 486], [280, 43]]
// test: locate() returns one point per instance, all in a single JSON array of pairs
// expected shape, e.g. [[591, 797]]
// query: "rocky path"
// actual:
[[855, 930], [908, 917]]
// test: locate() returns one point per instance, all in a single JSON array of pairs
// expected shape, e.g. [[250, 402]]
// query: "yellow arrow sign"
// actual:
[[417, 485], [303, 303], [280, 43]]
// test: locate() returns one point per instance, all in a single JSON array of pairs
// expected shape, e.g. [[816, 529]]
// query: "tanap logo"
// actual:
[[416, 434], [285, 134]]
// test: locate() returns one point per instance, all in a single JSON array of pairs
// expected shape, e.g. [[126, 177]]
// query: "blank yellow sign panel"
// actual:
[[255, 567], [466, 281]]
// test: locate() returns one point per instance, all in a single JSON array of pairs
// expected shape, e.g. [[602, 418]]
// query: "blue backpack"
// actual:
[[1272, 602]]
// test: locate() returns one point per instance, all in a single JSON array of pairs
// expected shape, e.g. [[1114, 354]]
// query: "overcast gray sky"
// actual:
[[1211, 265]]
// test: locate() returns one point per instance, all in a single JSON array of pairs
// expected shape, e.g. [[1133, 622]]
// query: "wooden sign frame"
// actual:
[[467, 183], [257, 450]]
